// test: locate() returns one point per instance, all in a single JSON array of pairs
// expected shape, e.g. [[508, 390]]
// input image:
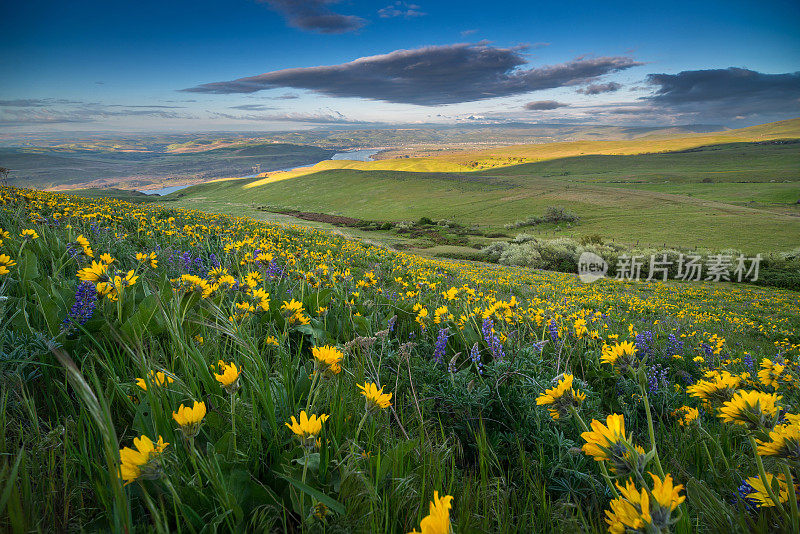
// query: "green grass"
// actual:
[[739, 195], [468, 425]]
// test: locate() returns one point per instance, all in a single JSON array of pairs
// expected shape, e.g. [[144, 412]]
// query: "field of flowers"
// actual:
[[172, 370]]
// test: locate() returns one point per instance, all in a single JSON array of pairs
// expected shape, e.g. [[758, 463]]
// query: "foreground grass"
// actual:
[[465, 350]]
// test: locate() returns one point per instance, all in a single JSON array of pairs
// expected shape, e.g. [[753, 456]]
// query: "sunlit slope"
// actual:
[[464, 161], [733, 195]]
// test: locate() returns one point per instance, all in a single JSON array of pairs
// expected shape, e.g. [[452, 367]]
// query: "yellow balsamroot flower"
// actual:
[[192, 283], [642, 511], [438, 519], [580, 328], [106, 258], [450, 294], [84, 244], [686, 415], [603, 438], [261, 299], [784, 442], [252, 279], [145, 258], [217, 273], [271, 340], [155, 379], [142, 462], [29, 234], [229, 377], [308, 428], [622, 356], [113, 288], [294, 314], [631, 510], [96, 272], [5, 263], [752, 409], [760, 494], [328, 358], [770, 373], [665, 493], [561, 398], [190, 419], [226, 281], [376, 399], [720, 388]]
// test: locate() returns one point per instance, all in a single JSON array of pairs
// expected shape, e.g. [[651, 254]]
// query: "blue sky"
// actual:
[[89, 65]]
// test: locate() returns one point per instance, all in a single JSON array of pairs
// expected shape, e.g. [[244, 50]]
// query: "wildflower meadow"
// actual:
[[168, 370]]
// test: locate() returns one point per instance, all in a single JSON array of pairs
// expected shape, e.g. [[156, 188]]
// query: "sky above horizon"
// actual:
[[254, 65]]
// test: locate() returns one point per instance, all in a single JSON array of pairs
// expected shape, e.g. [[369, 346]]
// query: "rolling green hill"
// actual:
[[471, 160], [737, 194]]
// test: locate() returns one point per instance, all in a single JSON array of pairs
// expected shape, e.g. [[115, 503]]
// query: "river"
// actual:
[[361, 154]]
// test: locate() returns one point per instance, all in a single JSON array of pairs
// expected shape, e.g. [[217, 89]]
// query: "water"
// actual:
[[361, 154]]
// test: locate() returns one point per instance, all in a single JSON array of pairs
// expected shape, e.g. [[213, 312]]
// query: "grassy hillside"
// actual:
[[740, 195], [488, 378], [470, 160]]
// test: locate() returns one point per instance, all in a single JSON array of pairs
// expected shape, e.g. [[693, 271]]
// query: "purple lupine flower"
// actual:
[[748, 361], [186, 258], [553, 329], [491, 338], [475, 356], [674, 345], [644, 343], [212, 259], [656, 377], [274, 270], [707, 350], [83, 308], [744, 490], [73, 250], [441, 345], [392, 322]]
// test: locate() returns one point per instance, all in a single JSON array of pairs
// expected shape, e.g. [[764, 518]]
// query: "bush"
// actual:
[[494, 251], [551, 215]]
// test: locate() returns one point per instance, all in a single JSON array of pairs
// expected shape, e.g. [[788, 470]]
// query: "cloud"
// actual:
[[320, 117], [727, 93], [468, 32], [287, 96], [430, 76], [544, 105], [35, 102], [315, 16], [145, 106], [252, 107], [400, 9], [597, 88], [84, 113]]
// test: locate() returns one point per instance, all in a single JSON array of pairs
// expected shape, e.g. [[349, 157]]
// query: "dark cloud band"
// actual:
[[430, 76], [544, 105], [598, 88], [315, 16]]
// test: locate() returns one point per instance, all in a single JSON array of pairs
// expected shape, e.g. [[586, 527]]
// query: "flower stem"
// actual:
[[650, 429], [719, 448], [312, 391], [233, 422], [792, 498], [763, 476], [360, 425], [603, 468]]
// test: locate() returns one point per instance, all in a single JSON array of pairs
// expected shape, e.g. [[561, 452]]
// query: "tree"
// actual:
[[4, 176]]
